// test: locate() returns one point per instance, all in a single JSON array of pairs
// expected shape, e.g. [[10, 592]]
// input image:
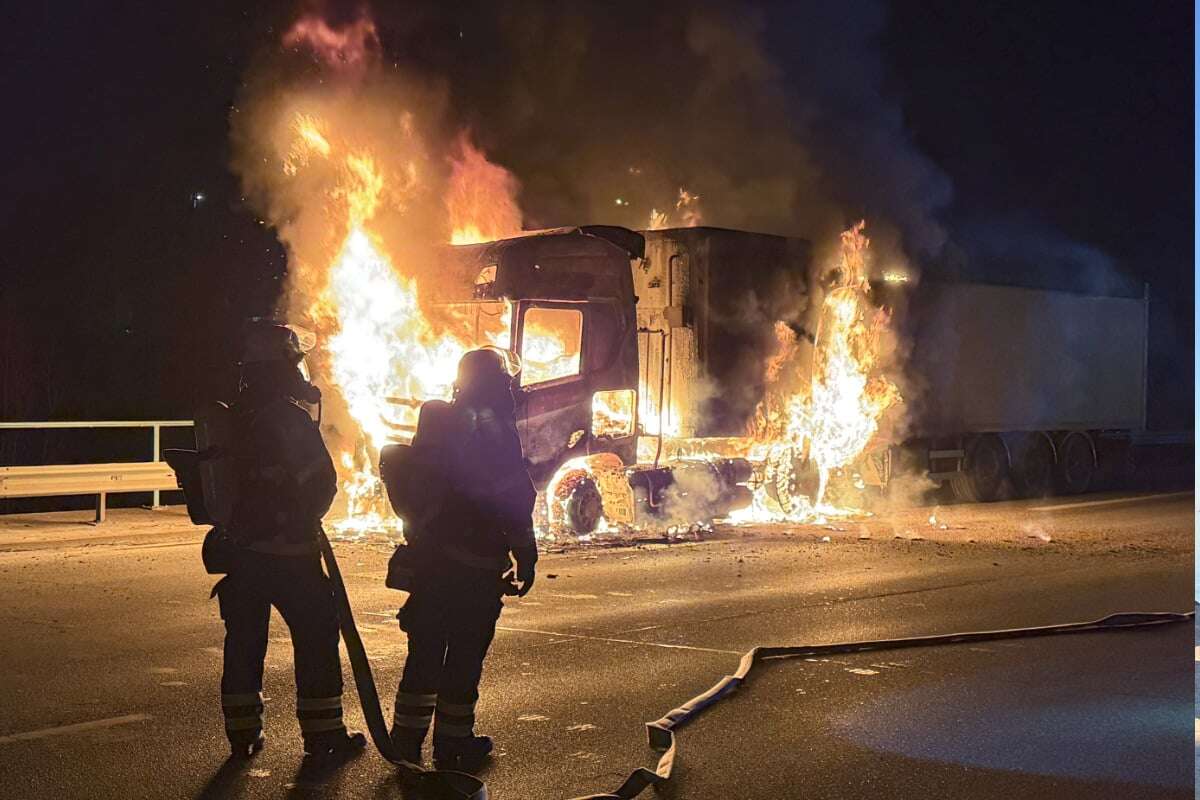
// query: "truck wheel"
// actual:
[[985, 471], [1033, 466], [788, 478], [1076, 463], [584, 506]]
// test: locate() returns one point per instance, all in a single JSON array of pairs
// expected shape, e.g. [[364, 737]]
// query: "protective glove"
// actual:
[[526, 558]]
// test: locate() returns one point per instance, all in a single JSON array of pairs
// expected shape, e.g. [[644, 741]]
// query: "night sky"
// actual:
[[122, 290]]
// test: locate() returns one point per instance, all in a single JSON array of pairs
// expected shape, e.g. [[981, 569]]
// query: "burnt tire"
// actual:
[[584, 507], [788, 478], [1077, 464], [985, 472]]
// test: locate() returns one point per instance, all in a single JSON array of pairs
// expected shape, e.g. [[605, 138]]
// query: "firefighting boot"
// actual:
[[407, 742], [463, 753], [245, 747], [411, 721], [243, 712], [333, 744]]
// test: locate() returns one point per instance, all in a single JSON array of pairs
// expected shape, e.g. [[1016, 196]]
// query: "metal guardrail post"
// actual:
[[156, 427], [154, 457]]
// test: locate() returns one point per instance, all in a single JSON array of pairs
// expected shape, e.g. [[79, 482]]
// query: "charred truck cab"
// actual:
[[575, 324]]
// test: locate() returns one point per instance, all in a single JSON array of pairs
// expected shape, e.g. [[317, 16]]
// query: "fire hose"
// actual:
[[434, 784], [448, 785]]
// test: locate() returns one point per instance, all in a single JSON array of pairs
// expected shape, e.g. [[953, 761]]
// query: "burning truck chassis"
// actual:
[[642, 406]]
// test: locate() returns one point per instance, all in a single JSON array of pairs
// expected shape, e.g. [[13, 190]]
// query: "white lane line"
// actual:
[[619, 641], [1090, 503], [78, 727], [1198, 653]]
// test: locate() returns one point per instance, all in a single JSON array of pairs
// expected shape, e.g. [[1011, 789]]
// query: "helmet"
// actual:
[[487, 363], [486, 370], [267, 340]]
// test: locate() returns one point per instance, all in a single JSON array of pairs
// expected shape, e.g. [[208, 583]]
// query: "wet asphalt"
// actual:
[[110, 664]]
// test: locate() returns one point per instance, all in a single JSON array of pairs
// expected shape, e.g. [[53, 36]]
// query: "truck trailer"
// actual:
[[643, 412]]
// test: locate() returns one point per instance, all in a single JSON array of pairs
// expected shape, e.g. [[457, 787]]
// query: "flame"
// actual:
[[481, 199], [834, 421], [308, 142], [352, 47], [382, 352], [613, 412], [687, 213], [380, 346]]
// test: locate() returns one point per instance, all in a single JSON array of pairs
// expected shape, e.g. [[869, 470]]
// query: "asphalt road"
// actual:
[[109, 668]]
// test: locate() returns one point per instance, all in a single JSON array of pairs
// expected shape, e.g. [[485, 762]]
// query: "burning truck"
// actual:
[[669, 376], [638, 404], [674, 375]]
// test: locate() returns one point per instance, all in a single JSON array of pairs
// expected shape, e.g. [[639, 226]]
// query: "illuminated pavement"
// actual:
[[111, 662]]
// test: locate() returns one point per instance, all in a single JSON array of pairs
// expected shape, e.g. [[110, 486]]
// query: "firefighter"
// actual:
[[464, 548], [285, 483]]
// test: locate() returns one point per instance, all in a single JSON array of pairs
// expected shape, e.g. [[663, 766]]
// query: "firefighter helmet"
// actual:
[[267, 340], [483, 371]]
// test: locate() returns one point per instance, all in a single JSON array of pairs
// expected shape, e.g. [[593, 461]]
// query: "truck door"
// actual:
[[554, 407]]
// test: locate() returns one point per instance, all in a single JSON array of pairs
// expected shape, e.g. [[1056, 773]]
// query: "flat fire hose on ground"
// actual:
[[438, 784]]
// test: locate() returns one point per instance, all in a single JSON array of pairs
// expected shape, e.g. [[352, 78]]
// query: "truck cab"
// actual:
[[568, 293]]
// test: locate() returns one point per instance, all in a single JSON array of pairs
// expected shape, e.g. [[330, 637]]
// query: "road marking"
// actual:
[[1090, 503], [619, 641], [78, 727]]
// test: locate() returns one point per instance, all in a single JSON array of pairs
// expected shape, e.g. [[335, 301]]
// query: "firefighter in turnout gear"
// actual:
[[285, 482], [463, 550]]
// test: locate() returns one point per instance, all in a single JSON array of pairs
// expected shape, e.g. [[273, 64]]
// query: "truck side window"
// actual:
[[550, 344]]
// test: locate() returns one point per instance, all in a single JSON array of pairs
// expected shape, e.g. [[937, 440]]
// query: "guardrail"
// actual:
[[155, 426]]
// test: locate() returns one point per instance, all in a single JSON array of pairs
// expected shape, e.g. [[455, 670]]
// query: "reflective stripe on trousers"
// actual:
[[414, 711], [317, 714], [243, 712], [454, 719]]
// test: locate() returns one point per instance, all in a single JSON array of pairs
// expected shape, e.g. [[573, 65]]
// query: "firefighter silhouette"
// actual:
[[462, 548], [284, 482]]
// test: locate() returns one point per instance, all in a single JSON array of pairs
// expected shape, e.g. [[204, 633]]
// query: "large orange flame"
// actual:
[[481, 197], [382, 352], [834, 420]]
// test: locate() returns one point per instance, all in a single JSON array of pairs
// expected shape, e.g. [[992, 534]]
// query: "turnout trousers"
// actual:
[[450, 619], [299, 589]]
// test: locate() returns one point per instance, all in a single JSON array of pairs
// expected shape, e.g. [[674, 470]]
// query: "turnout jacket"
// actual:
[[482, 498], [286, 479]]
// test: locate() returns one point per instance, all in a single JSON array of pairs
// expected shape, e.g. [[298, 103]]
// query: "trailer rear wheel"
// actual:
[[1076, 463], [984, 472], [1033, 466]]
